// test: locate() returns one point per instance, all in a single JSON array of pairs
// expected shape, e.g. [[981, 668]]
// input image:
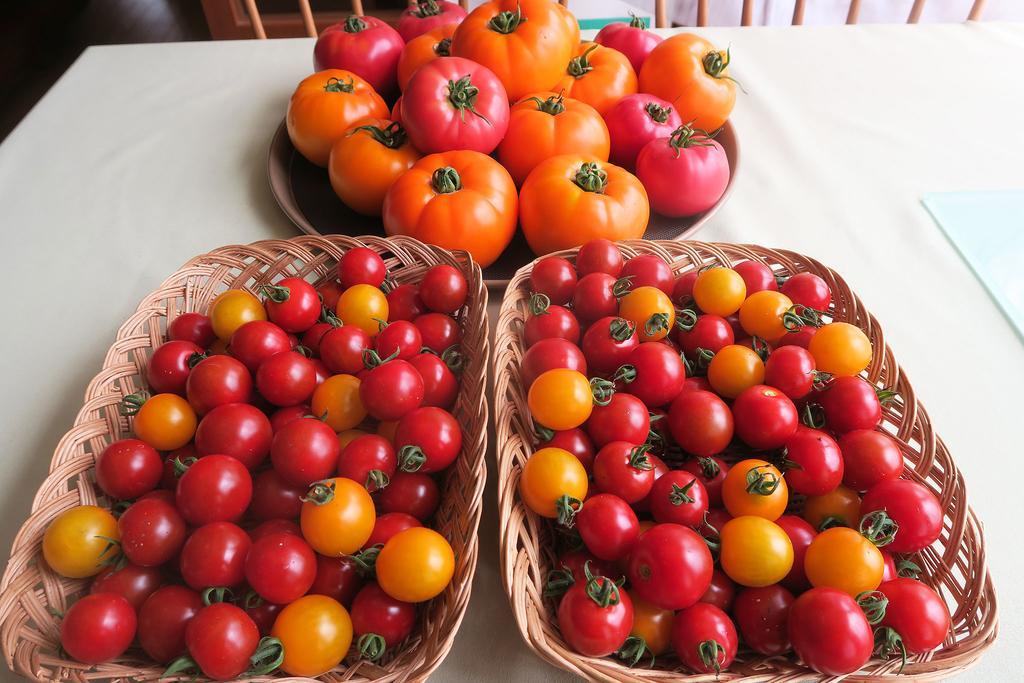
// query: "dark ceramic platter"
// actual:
[[304, 193]]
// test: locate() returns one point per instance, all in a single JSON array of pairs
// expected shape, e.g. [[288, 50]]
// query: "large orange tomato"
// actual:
[[599, 76], [574, 198], [456, 200], [367, 160], [545, 125], [424, 48], [324, 106], [526, 43], [690, 73]]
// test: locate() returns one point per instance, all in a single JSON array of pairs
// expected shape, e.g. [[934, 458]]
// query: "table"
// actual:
[[142, 156]]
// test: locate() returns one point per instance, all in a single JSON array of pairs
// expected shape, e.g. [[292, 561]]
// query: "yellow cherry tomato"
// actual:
[[338, 397], [734, 369], [841, 349], [755, 487], [337, 518], [415, 565], [364, 306], [761, 315], [651, 310], [720, 291], [755, 551], [232, 309], [842, 504], [316, 632], [553, 483], [79, 540], [348, 436], [561, 399], [165, 422], [387, 430], [843, 559], [653, 624]]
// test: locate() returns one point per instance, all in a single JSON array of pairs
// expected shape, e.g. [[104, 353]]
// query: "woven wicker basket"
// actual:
[[955, 565], [32, 593]]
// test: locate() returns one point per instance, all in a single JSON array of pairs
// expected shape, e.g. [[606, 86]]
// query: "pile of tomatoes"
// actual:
[[455, 128], [255, 521], [716, 466]]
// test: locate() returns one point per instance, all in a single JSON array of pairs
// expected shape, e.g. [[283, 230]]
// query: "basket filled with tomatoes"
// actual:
[[278, 470], [711, 464], [471, 131]]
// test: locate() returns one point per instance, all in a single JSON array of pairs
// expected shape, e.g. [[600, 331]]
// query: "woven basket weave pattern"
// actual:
[[955, 565], [31, 593]]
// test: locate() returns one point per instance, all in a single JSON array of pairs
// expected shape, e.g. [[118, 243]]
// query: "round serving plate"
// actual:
[[304, 193]]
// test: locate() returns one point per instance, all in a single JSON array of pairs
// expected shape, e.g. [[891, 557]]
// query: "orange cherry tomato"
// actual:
[[599, 76], [761, 315], [839, 506], [526, 43], [422, 49], [456, 200], [232, 309], [690, 73], [338, 398], [79, 540], [841, 349], [315, 632], [366, 161], [842, 558], [364, 306], [561, 399], [586, 199], [544, 125], [415, 565], [165, 422], [734, 369], [755, 551], [720, 291], [553, 483], [337, 517], [653, 625], [650, 310], [755, 487], [324, 106]]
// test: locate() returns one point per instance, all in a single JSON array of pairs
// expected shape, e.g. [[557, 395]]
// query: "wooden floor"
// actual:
[[40, 40]]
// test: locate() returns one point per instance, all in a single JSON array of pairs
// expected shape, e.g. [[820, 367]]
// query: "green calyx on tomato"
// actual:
[[267, 658], [559, 581], [443, 48], [320, 493], [708, 467], [580, 65], [453, 358], [637, 21], [658, 113], [553, 105], [715, 63], [567, 507], [798, 316], [680, 494], [602, 389], [371, 646], [392, 137], [879, 528], [132, 403], [462, 94], [426, 8], [411, 458], [873, 604], [888, 642], [276, 293], [761, 482], [711, 654], [908, 569], [377, 479], [633, 650], [602, 590], [656, 323], [686, 318], [216, 594], [196, 358], [539, 304], [813, 416], [446, 180], [337, 85], [686, 136], [621, 329], [366, 560], [506, 22], [622, 286], [181, 466], [355, 24], [542, 433], [625, 374], [591, 178], [371, 359], [638, 459]]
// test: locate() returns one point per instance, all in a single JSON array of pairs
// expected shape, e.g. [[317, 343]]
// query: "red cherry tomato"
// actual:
[[439, 331], [152, 532], [98, 628], [293, 304], [330, 291], [623, 418], [550, 322], [389, 524], [762, 615], [704, 638], [710, 472], [670, 566], [286, 379], [221, 639], [574, 562], [168, 367], [807, 289], [549, 354], [341, 349], [391, 390], [710, 332], [440, 385], [311, 338], [799, 337], [608, 526], [657, 373], [338, 578], [648, 270], [274, 526], [275, 498], [660, 469], [849, 403], [576, 442], [555, 278], [599, 256], [282, 416], [443, 289], [361, 266], [280, 567], [765, 418], [215, 488], [427, 440], [624, 469], [369, 460], [800, 533], [193, 327], [262, 613], [404, 303], [214, 556], [682, 292], [608, 343], [756, 276], [869, 458], [218, 380], [132, 582], [596, 297], [790, 369], [829, 632], [128, 468], [701, 423], [304, 451], [913, 507], [414, 493], [399, 339], [636, 120], [814, 462], [236, 429], [915, 614], [595, 616], [162, 621], [379, 621], [721, 592], [680, 498]]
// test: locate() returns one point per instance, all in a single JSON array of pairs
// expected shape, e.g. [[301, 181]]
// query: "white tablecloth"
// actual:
[[143, 156]]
